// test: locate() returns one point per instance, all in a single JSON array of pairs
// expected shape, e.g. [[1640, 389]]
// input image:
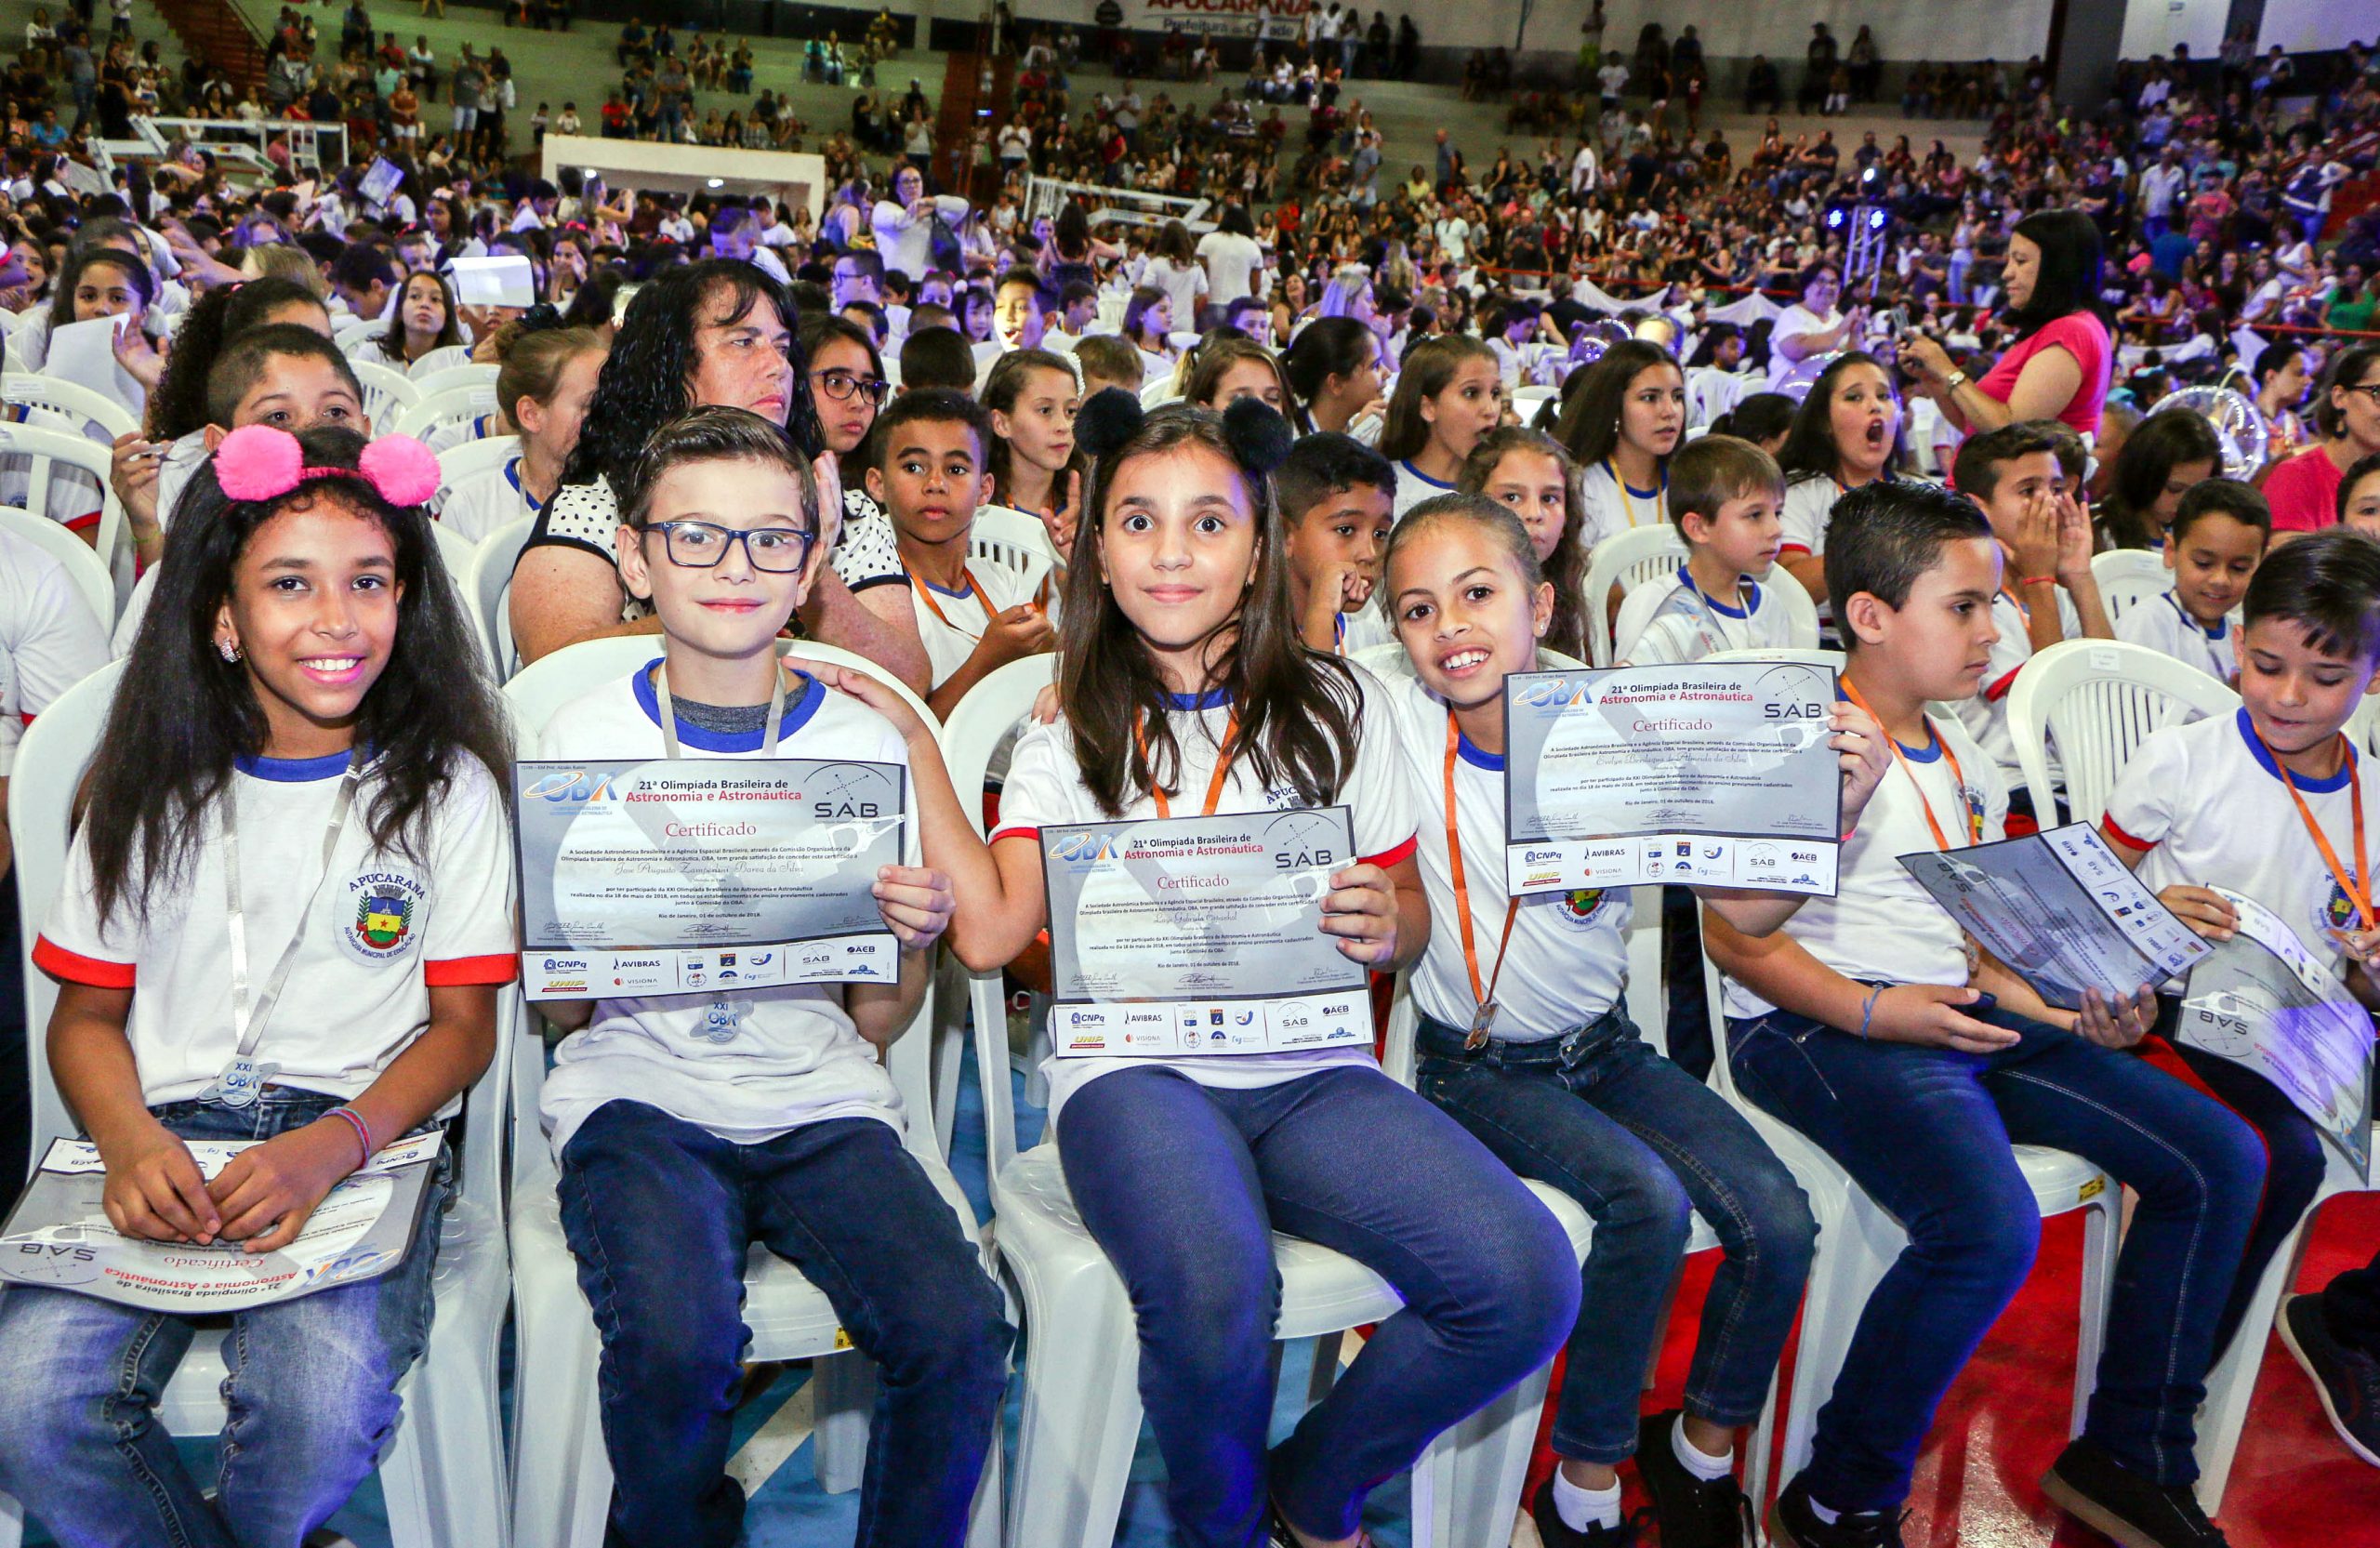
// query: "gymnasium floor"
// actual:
[[1978, 1485]]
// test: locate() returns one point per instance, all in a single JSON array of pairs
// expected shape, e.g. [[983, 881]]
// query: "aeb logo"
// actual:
[[558, 785]]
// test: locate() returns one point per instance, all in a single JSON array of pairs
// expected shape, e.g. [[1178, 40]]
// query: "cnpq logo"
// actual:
[[559, 785]]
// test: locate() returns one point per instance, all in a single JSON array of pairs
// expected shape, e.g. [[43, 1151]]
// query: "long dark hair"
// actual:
[[816, 332], [184, 715], [1002, 389], [2067, 281], [1297, 709], [2347, 370], [61, 306], [179, 405], [2162, 443], [1589, 427], [1327, 347], [1809, 450], [648, 378], [1430, 365], [450, 333], [1566, 565]]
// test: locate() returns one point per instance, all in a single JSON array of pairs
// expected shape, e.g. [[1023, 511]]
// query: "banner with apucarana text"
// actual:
[[1275, 20]]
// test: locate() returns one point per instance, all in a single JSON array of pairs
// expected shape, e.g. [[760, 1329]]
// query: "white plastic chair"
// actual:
[[387, 391], [1529, 397], [2098, 699], [459, 404], [83, 566], [1801, 613], [2128, 577], [442, 1472], [1858, 1241], [28, 391], [1626, 560], [1081, 1401], [488, 592], [1014, 538], [563, 1476], [446, 380], [46, 449], [458, 465], [458, 554]]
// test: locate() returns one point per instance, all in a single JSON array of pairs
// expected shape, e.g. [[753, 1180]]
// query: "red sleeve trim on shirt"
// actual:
[[999, 833], [82, 523], [2116, 829], [1402, 852], [71, 967], [457, 971], [1994, 692], [1783, 548]]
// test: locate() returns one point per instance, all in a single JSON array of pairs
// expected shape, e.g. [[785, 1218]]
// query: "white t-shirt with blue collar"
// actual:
[[1661, 626], [2167, 627]]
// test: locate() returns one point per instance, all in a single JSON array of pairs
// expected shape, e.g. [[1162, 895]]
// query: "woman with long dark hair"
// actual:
[[2061, 362], [699, 335]]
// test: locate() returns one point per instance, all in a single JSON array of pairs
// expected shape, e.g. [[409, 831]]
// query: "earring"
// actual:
[[228, 650]]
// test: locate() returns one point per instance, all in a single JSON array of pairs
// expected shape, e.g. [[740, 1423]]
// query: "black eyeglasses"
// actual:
[[701, 545], [2368, 389], [842, 384]]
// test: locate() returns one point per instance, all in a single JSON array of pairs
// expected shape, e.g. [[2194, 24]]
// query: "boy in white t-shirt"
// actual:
[[1336, 494], [689, 1126], [932, 470], [49, 641], [1725, 495], [2217, 538], [2015, 476], [2261, 802], [1874, 1025]]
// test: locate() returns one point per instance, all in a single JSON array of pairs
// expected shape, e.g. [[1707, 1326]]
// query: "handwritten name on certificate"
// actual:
[[1199, 935], [1711, 774], [686, 876]]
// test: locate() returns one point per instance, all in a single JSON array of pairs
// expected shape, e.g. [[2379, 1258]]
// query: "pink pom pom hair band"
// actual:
[[263, 462]]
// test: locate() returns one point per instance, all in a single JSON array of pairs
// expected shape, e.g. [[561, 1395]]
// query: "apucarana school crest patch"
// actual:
[[385, 914]]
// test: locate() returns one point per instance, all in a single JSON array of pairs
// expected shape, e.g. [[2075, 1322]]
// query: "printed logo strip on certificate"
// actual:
[[1194, 937], [1709, 773], [687, 876], [2062, 911]]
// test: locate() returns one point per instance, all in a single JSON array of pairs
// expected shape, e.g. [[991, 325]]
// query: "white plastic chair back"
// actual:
[[429, 384], [28, 391], [1626, 560], [83, 566], [459, 465], [387, 391], [1801, 613], [1529, 397], [457, 552], [488, 592], [1015, 538], [2098, 699], [46, 449], [1181, 339], [2128, 577], [1160, 390], [458, 404]]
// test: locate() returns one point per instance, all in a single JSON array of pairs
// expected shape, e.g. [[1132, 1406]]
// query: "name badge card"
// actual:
[[1711, 774], [2060, 909], [1184, 936], [2261, 999], [684, 876], [58, 1234]]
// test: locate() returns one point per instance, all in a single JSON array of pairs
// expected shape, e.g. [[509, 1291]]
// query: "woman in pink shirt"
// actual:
[[2060, 365], [2304, 491]]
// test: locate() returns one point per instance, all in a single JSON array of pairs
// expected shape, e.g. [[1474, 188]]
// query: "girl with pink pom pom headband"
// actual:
[[264, 462]]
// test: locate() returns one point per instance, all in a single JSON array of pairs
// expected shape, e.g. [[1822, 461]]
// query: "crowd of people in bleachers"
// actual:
[[1295, 494]]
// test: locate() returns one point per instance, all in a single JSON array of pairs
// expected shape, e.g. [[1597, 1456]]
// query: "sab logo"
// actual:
[[831, 811], [1792, 711]]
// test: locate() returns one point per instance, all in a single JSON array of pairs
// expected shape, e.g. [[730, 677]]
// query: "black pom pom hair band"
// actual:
[[1259, 437]]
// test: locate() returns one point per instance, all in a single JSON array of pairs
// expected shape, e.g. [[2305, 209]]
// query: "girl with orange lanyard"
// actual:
[[1183, 689], [1524, 1039], [1848, 432], [2268, 805], [1620, 427]]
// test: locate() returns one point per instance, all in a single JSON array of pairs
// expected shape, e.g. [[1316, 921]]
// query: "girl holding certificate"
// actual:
[[285, 919], [1183, 689], [1525, 1040]]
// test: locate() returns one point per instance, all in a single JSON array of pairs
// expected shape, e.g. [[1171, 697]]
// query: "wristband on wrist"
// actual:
[[362, 1131], [1868, 1009], [2038, 580]]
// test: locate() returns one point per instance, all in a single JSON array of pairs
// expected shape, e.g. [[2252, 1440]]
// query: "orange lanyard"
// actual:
[[2357, 891], [1483, 998], [924, 593], [1214, 782], [1627, 506], [1958, 777]]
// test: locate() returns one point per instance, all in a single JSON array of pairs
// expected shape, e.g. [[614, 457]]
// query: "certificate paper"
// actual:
[[2261, 999], [2061, 910], [680, 875], [58, 1234], [1711, 774], [1201, 936]]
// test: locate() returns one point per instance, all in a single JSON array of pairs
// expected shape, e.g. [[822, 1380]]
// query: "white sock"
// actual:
[[1829, 1517], [1701, 1463], [1585, 1509]]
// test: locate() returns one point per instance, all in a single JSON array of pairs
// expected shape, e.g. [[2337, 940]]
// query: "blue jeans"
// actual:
[[661, 1214], [311, 1391], [1926, 1132], [1643, 1146], [1182, 1186]]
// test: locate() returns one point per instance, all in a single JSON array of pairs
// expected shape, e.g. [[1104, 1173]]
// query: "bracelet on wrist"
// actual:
[[1868, 1009], [1955, 380], [2037, 580], [354, 1120]]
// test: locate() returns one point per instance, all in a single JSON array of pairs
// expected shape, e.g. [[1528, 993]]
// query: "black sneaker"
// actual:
[[1690, 1511], [1792, 1524], [1277, 1533], [1554, 1532], [2346, 1380], [2124, 1506]]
